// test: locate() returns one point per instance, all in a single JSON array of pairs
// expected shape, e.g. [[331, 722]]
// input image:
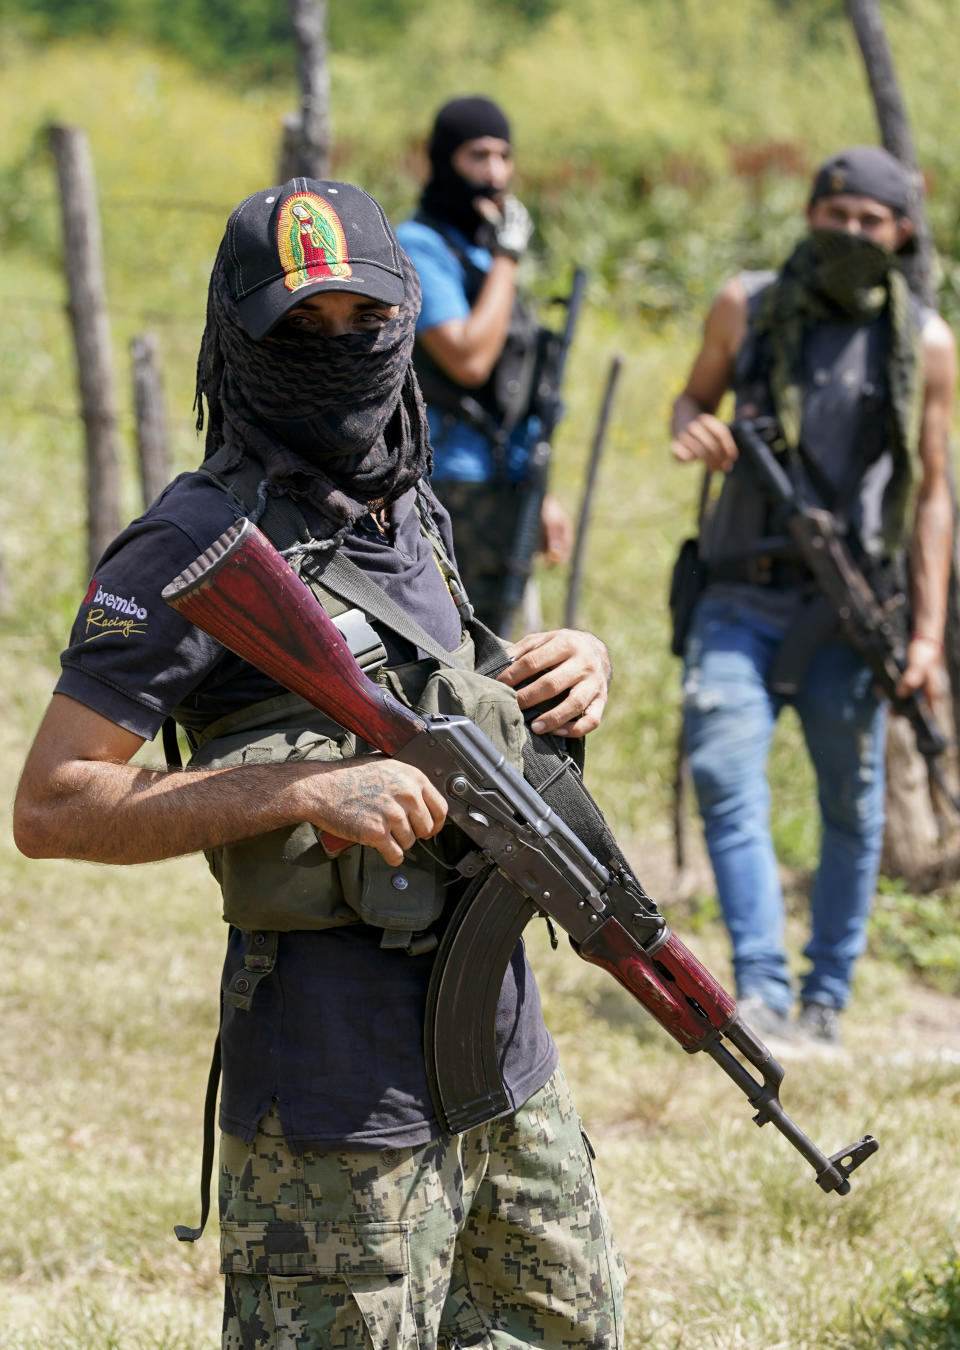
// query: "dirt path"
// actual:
[[929, 1026]]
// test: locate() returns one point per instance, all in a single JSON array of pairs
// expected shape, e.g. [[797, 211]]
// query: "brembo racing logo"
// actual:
[[111, 613]]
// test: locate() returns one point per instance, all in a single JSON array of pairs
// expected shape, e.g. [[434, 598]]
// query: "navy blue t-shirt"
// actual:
[[335, 1033]]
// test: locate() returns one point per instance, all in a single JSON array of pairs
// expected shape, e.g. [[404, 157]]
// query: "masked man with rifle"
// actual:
[[349, 1216], [852, 380], [477, 351]]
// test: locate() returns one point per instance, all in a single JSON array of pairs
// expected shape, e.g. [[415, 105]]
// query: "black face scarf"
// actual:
[[336, 421], [449, 197]]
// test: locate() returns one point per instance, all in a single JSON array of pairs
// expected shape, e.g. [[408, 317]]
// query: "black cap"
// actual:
[[864, 171], [308, 236]]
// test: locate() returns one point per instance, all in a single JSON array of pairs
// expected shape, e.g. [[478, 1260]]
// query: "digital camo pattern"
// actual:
[[495, 1238], [484, 520]]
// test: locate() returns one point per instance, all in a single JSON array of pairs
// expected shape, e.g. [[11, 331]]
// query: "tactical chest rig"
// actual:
[[500, 404], [285, 881], [305, 889]]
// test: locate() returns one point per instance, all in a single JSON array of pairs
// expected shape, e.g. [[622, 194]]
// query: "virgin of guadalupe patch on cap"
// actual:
[[311, 241]]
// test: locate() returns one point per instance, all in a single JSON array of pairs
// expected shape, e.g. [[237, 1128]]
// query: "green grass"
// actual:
[[109, 1006], [109, 991]]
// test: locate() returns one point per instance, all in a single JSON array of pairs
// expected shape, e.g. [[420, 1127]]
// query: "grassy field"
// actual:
[[109, 1008], [108, 995]]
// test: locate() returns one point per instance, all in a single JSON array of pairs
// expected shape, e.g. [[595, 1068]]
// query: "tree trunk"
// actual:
[[305, 150], [91, 333], [919, 830], [865, 17]]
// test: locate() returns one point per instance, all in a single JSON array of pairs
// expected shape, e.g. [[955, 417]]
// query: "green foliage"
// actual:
[[927, 1315], [215, 34], [27, 209], [249, 37], [919, 931], [689, 158], [923, 1314]]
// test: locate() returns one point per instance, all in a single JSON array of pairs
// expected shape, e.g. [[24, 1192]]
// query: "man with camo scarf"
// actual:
[[857, 379], [348, 1216]]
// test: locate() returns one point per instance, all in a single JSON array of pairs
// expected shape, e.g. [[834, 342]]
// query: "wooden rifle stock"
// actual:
[[243, 593], [261, 610]]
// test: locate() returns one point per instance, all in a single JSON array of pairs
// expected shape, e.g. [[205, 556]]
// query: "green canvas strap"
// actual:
[[352, 584]]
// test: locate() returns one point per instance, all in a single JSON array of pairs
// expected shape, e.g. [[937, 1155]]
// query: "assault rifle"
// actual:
[[546, 405], [847, 599], [525, 859]]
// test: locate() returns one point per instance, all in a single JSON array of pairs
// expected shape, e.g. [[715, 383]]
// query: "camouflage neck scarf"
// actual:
[[336, 421], [833, 276]]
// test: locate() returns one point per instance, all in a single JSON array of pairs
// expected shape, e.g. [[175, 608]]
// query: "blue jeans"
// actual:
[[729, 719]]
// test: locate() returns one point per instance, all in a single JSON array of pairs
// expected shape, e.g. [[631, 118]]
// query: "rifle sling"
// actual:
[[545, 758], [551, 764], [182, 1231], [342, 576]]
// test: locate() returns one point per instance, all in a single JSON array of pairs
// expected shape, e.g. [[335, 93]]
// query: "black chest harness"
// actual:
[[499, 405]]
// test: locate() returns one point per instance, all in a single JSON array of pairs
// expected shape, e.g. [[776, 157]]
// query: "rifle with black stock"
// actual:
[[546, 406], [525, 859], [849, 600]]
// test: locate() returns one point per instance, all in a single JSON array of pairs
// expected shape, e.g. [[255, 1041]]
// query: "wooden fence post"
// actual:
[[305, 149], [586, 501], [919, 839], [867, 24], [91, 332], [153, 442]]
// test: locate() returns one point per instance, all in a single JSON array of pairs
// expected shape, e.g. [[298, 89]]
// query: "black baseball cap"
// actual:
[[864, 171], [306, 237]]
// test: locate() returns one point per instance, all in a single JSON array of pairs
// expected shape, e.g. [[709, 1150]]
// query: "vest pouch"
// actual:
[[529, 350], [282, 880], [430, 689], [405, 899]]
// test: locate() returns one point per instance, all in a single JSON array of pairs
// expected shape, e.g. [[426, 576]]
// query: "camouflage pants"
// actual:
[[494, 1238], [484, 519]]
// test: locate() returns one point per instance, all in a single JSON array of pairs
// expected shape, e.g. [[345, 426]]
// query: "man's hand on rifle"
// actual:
[[374, 800], [705, 438], [569, 665], [923, 664]]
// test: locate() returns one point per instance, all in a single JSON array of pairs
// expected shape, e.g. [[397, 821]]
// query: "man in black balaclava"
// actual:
[[855, 379], [336, 1176], [475, 345]]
